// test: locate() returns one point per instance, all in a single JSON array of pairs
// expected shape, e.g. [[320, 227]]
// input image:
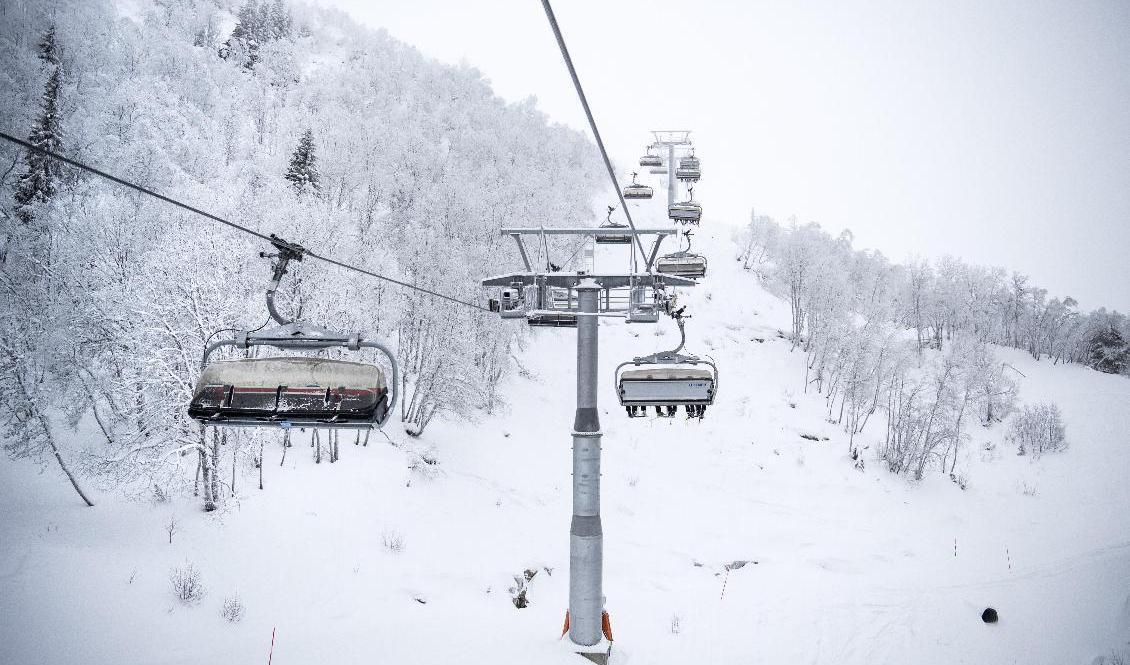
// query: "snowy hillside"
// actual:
[[842, 565]]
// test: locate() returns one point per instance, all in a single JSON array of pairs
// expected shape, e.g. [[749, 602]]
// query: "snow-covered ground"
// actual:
[[845, 566]]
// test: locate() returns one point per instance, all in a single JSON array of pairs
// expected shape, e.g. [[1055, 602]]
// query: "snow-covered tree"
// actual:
[[39, 181], [303, 169], [1108, 351], [417, 163], [47, 49]]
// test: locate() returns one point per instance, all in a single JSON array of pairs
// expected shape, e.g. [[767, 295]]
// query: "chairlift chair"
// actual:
[[613, 239], [649, 160], [637, 191], [683, 263], [666, 381], [685, 211], [689, 169], [293, 390]]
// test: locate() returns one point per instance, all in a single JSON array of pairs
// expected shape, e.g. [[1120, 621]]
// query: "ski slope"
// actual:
[[844, 566]]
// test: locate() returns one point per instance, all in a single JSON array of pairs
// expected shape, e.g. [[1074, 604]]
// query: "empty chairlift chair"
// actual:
[[616, 239], [667, 381], [613, 239], [637, 191], [293, 390], [683, 263], [650, 161]]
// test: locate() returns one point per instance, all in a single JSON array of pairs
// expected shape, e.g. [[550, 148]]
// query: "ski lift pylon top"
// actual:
[[293, 390]]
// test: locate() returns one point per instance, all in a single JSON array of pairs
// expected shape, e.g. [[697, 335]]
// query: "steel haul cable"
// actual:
[[588, 114], [239, 227]]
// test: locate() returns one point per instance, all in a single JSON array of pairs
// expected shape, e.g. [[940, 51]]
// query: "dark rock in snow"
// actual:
[[989, 615], [738, 564]]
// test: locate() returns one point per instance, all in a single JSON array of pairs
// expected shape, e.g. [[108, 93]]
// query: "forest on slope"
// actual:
[[289, 120], [914, 342], [299, 122]]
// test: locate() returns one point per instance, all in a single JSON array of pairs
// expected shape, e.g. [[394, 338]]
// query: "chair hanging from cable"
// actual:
[[666, 381], [292, 390]]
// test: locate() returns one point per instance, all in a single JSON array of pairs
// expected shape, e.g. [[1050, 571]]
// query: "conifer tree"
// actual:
[[303, 170], [280, 21], [257, 24], [38, 183], [47, 51], [1108, 352]]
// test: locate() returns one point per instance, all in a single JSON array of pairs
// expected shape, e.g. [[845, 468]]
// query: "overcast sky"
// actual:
[[996, 131]]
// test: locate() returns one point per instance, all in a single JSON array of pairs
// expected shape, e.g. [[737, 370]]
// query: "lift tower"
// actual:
[[635, 297], [671, 139]]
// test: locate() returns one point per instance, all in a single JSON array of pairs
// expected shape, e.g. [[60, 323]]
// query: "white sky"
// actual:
[[995, 131]]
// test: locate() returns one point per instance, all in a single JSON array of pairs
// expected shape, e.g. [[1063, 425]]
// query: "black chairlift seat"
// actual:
[[651, 160], [685, 211], [682, 264], [291, 391]]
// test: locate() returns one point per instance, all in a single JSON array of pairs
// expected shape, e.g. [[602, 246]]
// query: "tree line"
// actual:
[[911, 342]]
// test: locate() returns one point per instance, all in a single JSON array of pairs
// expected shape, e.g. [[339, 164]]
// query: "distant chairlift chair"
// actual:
[[687, 212], [613, 239], [683, 263], [637, 191], [689, 169], [650, 160]]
